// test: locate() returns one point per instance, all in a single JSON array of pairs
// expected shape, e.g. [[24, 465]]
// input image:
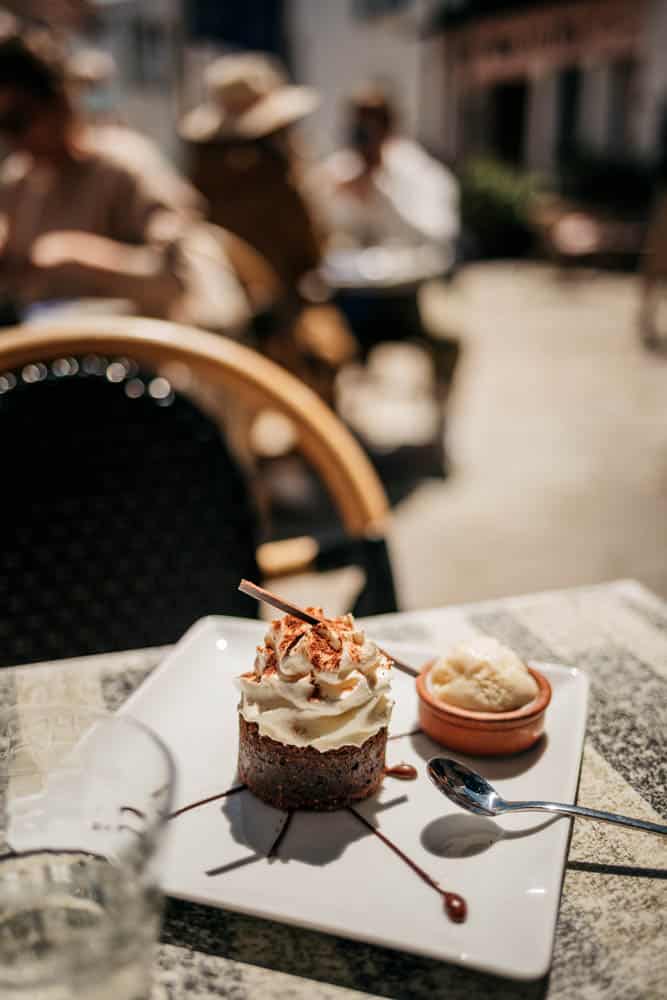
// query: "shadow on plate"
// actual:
[[463, 836], [493, 768], [314, 838]]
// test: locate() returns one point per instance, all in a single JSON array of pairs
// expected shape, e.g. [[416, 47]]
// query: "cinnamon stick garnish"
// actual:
[[261, 594], [268, 597]]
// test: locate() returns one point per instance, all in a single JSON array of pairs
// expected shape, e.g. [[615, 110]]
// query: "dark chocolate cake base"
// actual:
[[290, 777]]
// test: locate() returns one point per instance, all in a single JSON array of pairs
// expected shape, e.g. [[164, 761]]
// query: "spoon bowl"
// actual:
[[466, 788]]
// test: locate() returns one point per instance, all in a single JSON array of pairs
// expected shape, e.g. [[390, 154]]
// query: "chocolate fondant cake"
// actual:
[[313, 715]]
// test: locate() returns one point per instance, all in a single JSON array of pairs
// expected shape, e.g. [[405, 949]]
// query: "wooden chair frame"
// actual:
[[344, 469]]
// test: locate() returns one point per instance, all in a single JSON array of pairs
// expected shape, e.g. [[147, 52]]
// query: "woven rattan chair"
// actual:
[[125, 516]]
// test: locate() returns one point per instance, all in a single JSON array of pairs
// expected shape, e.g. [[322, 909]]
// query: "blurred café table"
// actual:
[[377, 287], [611, 925], [64, 309], [399, 416], [384, 270]]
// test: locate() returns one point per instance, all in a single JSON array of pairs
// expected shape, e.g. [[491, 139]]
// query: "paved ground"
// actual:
[[558, 440], [557, 435]]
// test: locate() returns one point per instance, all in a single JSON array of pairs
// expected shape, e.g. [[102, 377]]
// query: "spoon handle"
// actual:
[[584, 813]]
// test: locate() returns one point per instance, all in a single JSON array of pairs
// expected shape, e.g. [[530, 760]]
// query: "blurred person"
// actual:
[[654, 257], [244, 160], [653, 273], [394, 216], [393, 212], [90, 76], [77, 221], [243, 157], [384, 188]]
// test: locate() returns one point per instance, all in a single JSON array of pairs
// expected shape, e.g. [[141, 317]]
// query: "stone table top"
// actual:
[[611, 937]]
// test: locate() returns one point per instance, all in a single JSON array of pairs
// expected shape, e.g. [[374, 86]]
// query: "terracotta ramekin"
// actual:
[[483, 734]]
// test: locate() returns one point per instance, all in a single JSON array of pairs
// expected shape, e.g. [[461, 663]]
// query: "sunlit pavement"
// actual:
[[557, 441], [557, 436]]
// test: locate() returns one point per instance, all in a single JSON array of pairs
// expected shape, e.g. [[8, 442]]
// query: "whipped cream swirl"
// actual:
[[324, 686]]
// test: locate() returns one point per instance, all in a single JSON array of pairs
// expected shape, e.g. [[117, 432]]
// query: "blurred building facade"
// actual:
[[534, 83], [336, 46], [145, 39], [529, 82]]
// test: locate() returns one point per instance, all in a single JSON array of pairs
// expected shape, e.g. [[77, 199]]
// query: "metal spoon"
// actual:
[[473, 792]]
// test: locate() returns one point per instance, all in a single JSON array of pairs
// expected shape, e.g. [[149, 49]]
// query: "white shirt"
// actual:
[[413, 200]]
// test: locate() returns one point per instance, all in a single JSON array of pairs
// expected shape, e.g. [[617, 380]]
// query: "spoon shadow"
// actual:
[[464, 836]]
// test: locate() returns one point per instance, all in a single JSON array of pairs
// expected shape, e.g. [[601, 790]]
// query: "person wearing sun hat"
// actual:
[[243, 159], [249, 97]]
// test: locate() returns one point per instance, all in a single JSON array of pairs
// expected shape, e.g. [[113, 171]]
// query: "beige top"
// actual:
[[141, 156], [411, 199], [108, 194]]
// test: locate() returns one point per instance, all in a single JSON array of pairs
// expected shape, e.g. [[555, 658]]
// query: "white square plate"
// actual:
[[330, 872]]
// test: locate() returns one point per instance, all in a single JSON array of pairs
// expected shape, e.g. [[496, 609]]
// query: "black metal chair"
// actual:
[[125, 516]]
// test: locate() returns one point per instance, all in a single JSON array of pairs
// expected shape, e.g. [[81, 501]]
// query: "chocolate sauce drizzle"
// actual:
[[399, 736], [134, 812], [273, 850], [202, 802], [455, 905], [404, 772]]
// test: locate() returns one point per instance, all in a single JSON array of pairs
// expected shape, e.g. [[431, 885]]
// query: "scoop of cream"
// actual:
[[483, 676], [325, 686]]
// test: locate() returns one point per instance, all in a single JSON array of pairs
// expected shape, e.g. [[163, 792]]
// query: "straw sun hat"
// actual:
[[249, 97]]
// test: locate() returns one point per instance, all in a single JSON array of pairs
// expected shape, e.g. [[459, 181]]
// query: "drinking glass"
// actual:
[[84, 798]]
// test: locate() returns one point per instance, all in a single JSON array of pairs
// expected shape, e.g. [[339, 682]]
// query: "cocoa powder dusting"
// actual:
[[321, 654], [271, 664], [321, 639], [290, 630]]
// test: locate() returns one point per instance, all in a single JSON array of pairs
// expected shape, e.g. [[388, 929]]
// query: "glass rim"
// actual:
[[93, 713]]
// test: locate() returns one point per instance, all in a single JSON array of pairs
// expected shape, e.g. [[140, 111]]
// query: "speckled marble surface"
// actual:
[[611, 938]]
